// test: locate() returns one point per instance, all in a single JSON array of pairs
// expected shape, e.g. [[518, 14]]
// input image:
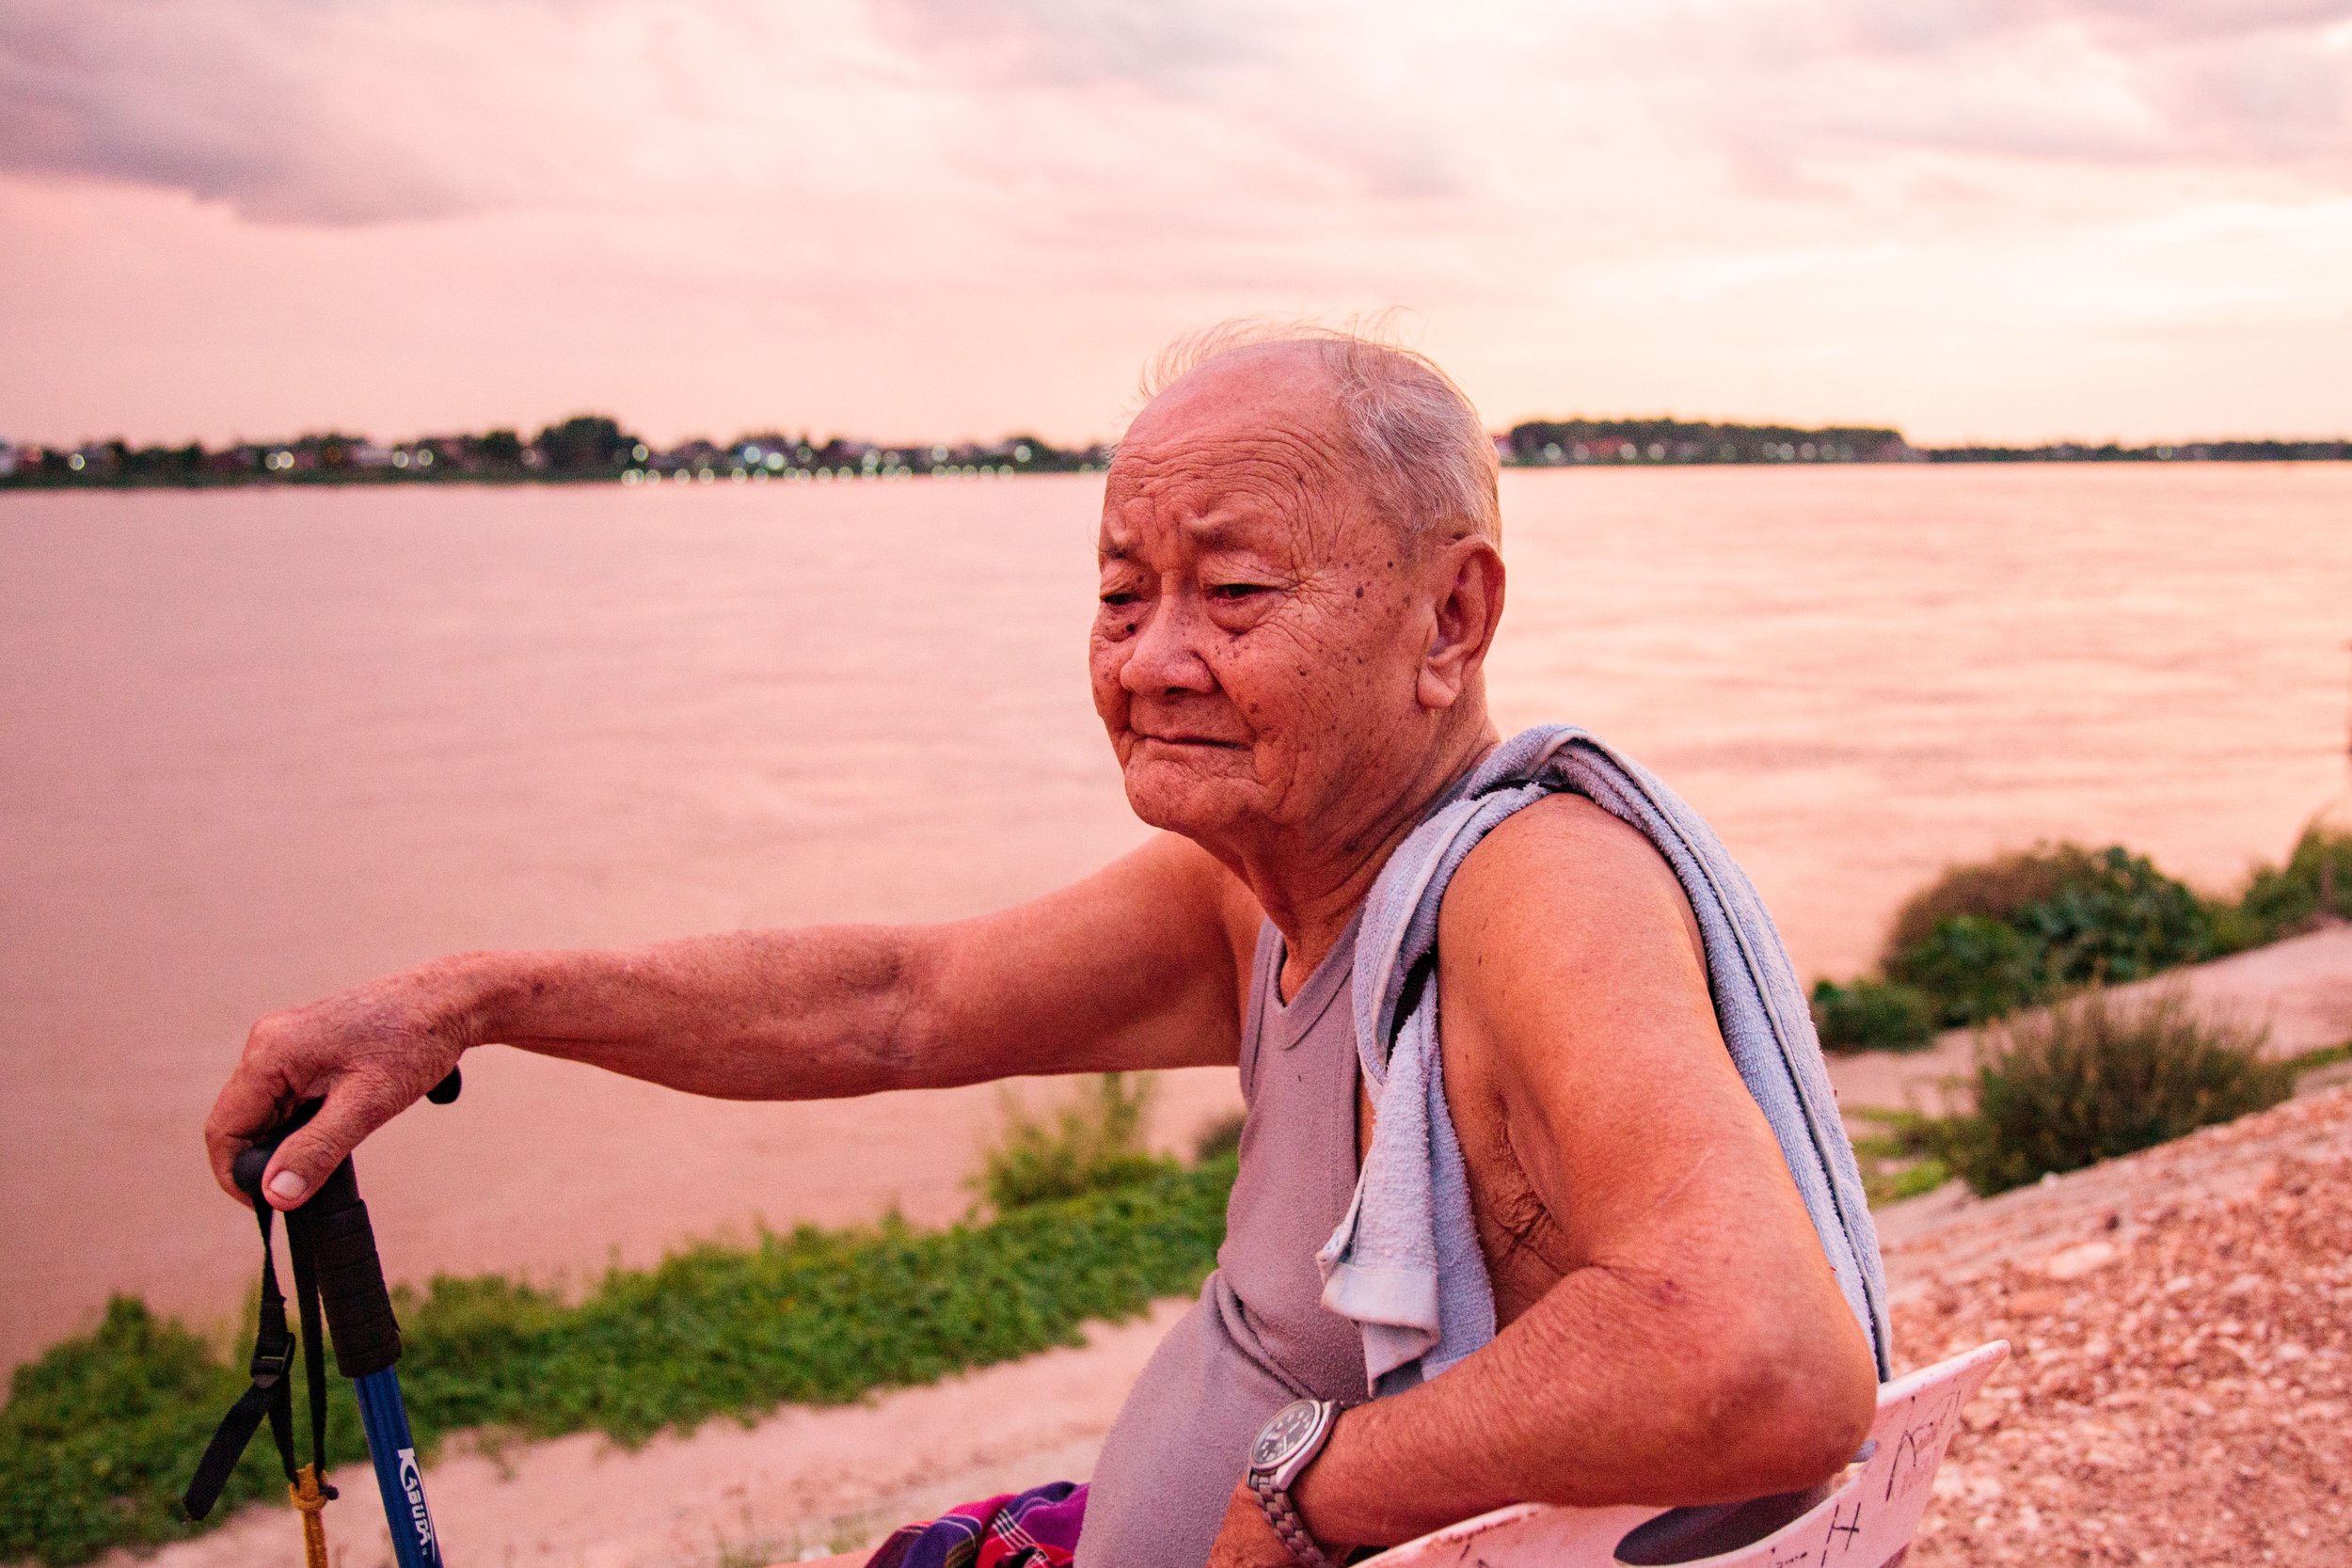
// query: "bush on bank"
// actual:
[[1872, 1015], [2113, 1079], [2090, 1079], [101, 1433], [2015, 931], [2315, 884], [1988, 938]]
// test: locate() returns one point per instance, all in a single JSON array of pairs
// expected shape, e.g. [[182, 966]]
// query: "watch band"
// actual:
[[1287, 1523], [1291, 1441]]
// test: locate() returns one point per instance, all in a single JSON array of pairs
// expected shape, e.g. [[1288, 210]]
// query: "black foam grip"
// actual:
[[351, 1279], [248, 1169]]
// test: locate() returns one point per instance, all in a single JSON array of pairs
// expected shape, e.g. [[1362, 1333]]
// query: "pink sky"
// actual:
[[2000, 219]]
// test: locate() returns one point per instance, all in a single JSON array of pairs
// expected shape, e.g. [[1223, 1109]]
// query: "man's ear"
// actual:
[[1466, 578]]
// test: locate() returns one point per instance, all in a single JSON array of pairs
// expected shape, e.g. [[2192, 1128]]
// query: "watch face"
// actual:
[[1285, 1434]]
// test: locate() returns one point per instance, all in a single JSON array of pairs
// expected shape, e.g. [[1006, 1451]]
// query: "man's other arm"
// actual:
[[1135, 967], [1697, 1348]]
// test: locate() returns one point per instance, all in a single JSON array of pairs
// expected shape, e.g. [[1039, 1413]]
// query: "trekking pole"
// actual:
[[337, 1272]]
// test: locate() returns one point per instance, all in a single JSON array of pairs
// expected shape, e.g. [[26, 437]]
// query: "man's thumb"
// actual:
[[311, 1153]]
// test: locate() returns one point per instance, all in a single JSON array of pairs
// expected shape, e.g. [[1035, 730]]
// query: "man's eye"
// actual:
[[1120, 596], [1234, 593]]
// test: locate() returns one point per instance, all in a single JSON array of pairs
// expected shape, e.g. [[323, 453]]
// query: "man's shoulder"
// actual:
[[1566, 876], [1565, 845]]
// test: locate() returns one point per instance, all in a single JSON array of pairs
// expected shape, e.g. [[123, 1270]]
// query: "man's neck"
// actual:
[[1311, 886]]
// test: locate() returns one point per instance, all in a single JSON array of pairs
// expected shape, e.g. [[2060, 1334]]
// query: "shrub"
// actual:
[[1872, 1015], [2315, 884], [2234, 928], [2089, 1079], [2115, 919], [1972, 968], [1993, 889], [1092, 1146], [1984, 940]]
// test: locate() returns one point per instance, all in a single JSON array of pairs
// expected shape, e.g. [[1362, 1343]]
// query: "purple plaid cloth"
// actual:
[[1037, 1528]]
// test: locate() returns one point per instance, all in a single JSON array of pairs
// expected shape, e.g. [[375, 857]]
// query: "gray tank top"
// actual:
[[1259, 1337]]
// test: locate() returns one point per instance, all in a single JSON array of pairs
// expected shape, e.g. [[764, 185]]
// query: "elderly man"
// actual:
[[1300, 583]]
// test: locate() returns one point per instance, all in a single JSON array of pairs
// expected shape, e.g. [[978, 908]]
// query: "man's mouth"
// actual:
[[1210, 742]]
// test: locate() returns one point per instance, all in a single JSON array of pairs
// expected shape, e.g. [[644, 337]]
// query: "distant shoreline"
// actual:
[[333, 479], [596, 448]]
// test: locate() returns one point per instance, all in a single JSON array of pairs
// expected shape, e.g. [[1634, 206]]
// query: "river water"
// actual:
[[264, 744]]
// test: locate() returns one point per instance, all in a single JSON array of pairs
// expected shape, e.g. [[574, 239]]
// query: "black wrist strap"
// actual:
[[271, 1393]]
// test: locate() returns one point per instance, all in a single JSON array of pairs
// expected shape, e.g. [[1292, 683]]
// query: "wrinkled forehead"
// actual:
[[1212, 495], [1255, 470]]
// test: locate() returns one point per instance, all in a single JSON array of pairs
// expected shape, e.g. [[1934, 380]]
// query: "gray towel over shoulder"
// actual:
[[1404, 1263]]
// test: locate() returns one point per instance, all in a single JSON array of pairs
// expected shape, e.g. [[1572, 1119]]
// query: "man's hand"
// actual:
[[368, 1054], [1247, 1538]]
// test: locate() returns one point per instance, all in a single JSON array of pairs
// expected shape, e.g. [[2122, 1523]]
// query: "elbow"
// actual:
[[911, 994], [1796, 1405]]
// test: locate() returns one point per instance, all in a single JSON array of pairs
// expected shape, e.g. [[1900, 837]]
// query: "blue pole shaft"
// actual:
[[393, 1451]]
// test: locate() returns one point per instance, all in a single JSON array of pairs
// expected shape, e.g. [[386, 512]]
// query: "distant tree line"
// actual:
[[2192, 452], [595, 446], [1547, 443], [584, 448]]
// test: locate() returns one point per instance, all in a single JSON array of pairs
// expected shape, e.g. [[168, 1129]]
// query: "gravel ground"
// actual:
[[2181, 1388]]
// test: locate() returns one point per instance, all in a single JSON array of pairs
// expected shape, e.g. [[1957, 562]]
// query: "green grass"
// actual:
[[1903, 1160], [2326, 1055], [100, 1434]]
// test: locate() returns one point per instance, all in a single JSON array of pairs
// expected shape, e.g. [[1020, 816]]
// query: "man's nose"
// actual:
[[1164, 654]]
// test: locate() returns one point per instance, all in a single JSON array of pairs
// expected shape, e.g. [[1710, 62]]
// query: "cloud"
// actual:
[[226, 108], [1213, 114], [1802, 86], [1167, 46]]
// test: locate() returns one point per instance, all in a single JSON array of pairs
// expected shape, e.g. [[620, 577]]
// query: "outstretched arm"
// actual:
[[1134, 967], [1694, 1346]]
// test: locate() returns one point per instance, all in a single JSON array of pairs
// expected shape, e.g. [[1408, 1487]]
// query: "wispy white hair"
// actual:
[[1428, 458]]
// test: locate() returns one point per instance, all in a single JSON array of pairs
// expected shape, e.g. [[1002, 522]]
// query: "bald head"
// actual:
[[1400, 429]]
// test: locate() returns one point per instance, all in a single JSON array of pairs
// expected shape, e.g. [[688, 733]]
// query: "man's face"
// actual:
[[1255, 652]]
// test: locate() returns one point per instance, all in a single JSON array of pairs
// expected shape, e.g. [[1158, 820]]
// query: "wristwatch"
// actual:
[[1285, 1447]]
